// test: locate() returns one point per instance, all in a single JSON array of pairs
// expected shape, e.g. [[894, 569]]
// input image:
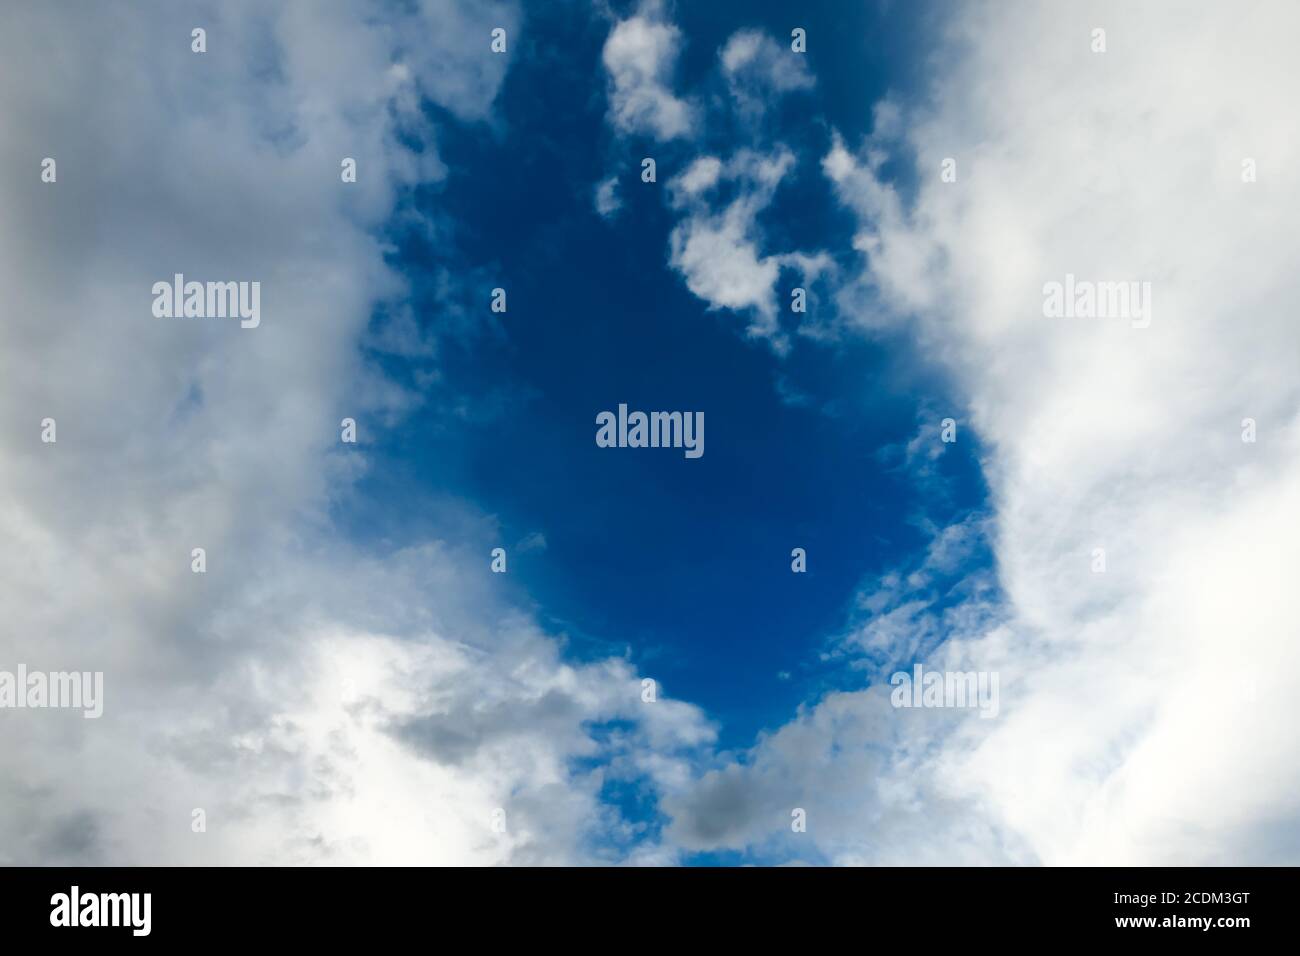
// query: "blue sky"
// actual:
[[684, 563]]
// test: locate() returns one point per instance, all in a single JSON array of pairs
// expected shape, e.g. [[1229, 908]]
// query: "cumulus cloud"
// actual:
[[1146, 713], [322, 703], [640, 56], [717, 244], [319, 702]]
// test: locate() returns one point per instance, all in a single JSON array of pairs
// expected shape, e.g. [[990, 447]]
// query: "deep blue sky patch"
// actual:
[[684, 562]]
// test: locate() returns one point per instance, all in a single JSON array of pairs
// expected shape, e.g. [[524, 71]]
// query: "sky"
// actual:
[[350, 680]]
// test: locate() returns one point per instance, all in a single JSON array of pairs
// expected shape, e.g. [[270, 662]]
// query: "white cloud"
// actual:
[[321, 703], [1147, 713], [608, 202], [718, 249], [701, 175], [717, 245], [722, 265], [640, 55], [759, 71]]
